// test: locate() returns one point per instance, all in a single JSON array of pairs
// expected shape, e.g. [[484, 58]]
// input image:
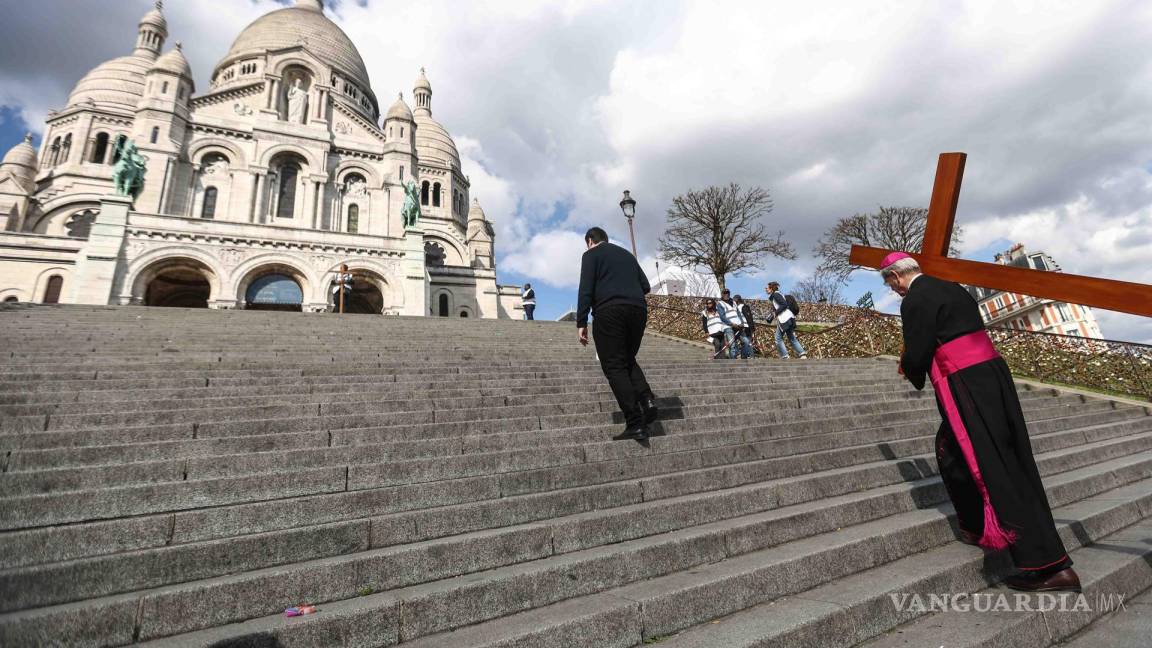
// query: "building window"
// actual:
[[436, 195], [54, 156], [1038, 262], [66, 149], [401, 172], [353, 219], [155, 134], [443, 305], [164, 88], [11, 299], [52, 292], [100, 150], [424, 193], [463, 313], [286, 197], [1065, 315], [182, 88], [208, 210], [999, 301], [984, 312]]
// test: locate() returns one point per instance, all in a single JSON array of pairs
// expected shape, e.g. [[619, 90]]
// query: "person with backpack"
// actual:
[[732, 315], [717, 330], [786, 309], [749, 322]]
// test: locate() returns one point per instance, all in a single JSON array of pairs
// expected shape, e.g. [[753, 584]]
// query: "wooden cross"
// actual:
[[1109, 294]]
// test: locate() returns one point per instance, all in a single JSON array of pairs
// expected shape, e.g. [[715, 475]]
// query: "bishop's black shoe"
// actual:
[[632, 433], [649, 410]]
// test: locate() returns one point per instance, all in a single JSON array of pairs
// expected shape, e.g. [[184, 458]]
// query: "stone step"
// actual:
[[673, 580], [100, 538], [21, 587]]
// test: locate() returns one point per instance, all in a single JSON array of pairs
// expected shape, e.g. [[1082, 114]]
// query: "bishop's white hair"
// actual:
[[903, 266]]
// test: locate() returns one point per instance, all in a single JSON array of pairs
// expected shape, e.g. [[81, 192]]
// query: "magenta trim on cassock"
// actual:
[[961, 353]]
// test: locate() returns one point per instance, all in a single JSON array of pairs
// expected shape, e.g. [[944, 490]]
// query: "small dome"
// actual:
[[118, 83], [22, 155], [156, 18], [433, 143], [399, 110], [422, 83], [476, 212], [174, 62]]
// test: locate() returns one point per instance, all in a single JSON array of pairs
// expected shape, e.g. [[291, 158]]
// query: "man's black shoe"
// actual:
[[632, 433], [649, 409]]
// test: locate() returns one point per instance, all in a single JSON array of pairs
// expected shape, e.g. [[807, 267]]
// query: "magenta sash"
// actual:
[[961, 353]]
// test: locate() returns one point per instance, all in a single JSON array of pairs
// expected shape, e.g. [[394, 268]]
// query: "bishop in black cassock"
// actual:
[[982, 446]]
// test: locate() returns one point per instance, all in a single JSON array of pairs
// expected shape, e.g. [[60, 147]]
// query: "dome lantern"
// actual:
[[152, 33], [423, 93]]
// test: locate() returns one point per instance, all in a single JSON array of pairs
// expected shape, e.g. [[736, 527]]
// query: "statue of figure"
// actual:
[[128, 172], [411, 210], [297, 102]]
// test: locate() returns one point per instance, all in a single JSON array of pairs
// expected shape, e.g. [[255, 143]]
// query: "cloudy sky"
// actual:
[[835, 107]]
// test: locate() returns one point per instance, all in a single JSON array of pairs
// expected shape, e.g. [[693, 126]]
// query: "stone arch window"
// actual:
[[66, 148], [443, 305], [117, 147], [79, 225], [424, 193], [155, 137], [434, 254], [353, 219], [11, 299], [436, 195], [164, 88], [286, 192], [100, 149], [182, 89], [54, 154], [52, 291], [214, 163], [464, 313], [208, 210]]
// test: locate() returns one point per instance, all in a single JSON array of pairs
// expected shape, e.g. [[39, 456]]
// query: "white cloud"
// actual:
[[834, 106]]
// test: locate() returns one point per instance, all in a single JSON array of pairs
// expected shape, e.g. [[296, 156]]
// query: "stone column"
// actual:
[[188, 210], [414, 275], [101, 260], [254, 201]]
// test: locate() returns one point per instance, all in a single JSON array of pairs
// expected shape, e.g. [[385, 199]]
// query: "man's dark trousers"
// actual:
[[617, 331], [528, 310]]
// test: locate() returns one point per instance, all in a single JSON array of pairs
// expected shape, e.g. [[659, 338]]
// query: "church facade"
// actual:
[[256, 190]]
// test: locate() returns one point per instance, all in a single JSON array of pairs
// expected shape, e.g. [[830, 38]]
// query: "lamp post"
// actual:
[[628, 206]]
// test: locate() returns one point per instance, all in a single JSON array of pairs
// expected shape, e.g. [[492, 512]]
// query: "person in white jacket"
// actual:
[[785, 322]]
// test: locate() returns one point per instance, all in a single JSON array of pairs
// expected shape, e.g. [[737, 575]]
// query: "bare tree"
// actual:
[[892, 228], [820, 288], [719, 228]]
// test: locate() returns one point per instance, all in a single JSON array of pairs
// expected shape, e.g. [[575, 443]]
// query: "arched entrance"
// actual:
[[274, 291], [367, 295], [179, 286]]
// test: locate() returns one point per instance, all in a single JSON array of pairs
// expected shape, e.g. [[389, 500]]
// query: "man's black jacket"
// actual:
[[609, 275]]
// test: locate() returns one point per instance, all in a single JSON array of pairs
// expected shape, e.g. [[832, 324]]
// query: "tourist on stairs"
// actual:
[[982, 446], [612, 287], [717, 330]]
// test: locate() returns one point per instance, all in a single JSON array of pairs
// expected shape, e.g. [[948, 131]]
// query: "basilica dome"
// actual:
[[303, 24], [118, 83]]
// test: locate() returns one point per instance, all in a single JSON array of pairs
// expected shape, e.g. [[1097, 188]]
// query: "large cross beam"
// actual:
[[1109, 294]]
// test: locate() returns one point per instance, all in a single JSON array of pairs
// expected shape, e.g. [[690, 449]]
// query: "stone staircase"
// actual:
[[178, 478]]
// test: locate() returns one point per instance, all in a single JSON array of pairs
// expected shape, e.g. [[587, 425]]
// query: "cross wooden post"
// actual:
[[1122, 296]]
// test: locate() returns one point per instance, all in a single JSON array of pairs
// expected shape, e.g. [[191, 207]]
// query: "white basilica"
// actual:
[[256, 190]]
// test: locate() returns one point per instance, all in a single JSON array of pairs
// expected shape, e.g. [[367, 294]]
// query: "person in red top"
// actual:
[[982, 446]]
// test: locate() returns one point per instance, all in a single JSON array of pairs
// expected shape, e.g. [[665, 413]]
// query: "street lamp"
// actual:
[[628, 206]]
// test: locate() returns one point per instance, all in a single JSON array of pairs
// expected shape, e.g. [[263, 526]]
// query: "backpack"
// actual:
[[793, 305]]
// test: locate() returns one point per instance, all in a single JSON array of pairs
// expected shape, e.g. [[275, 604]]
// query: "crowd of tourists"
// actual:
[[730, 324]]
